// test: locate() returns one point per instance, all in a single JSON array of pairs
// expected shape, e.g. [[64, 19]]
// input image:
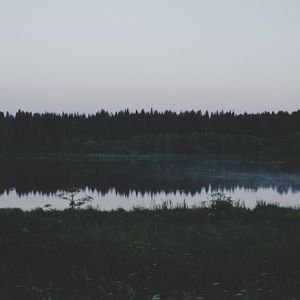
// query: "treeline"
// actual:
[[191, 132]]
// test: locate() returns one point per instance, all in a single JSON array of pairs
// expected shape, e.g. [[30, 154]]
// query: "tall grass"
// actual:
[[216, 251]]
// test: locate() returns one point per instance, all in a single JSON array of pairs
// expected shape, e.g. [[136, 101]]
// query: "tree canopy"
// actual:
[[150, 132]]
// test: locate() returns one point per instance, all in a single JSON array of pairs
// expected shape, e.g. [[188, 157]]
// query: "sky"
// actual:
[[88, 55]]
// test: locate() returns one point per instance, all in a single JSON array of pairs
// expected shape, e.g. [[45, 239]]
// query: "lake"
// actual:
[[128, 182]]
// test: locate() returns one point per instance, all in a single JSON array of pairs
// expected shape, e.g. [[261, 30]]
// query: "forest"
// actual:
[[148, 132]]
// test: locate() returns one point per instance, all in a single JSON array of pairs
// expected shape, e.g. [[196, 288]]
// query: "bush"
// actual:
[[221, 205]]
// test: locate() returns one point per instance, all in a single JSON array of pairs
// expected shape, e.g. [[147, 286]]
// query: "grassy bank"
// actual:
[[177, 254]]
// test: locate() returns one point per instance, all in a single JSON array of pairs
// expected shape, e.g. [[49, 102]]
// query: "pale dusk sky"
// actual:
[[63, 55]]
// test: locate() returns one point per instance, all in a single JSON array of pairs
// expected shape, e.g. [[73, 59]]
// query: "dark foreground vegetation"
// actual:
[[192, 132], [216, 252]]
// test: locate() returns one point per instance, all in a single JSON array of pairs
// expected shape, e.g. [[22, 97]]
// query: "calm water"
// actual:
[[29, 184]]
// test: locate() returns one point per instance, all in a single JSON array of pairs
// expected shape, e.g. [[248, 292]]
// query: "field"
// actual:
[[217, 252]]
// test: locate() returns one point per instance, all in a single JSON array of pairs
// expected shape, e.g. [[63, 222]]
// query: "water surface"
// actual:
[[32, 183]]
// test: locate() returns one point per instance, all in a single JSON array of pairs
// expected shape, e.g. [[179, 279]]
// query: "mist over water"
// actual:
[[126, 184]]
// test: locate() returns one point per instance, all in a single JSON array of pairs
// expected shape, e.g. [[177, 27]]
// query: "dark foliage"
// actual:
[[177, 254], [151, 132]]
